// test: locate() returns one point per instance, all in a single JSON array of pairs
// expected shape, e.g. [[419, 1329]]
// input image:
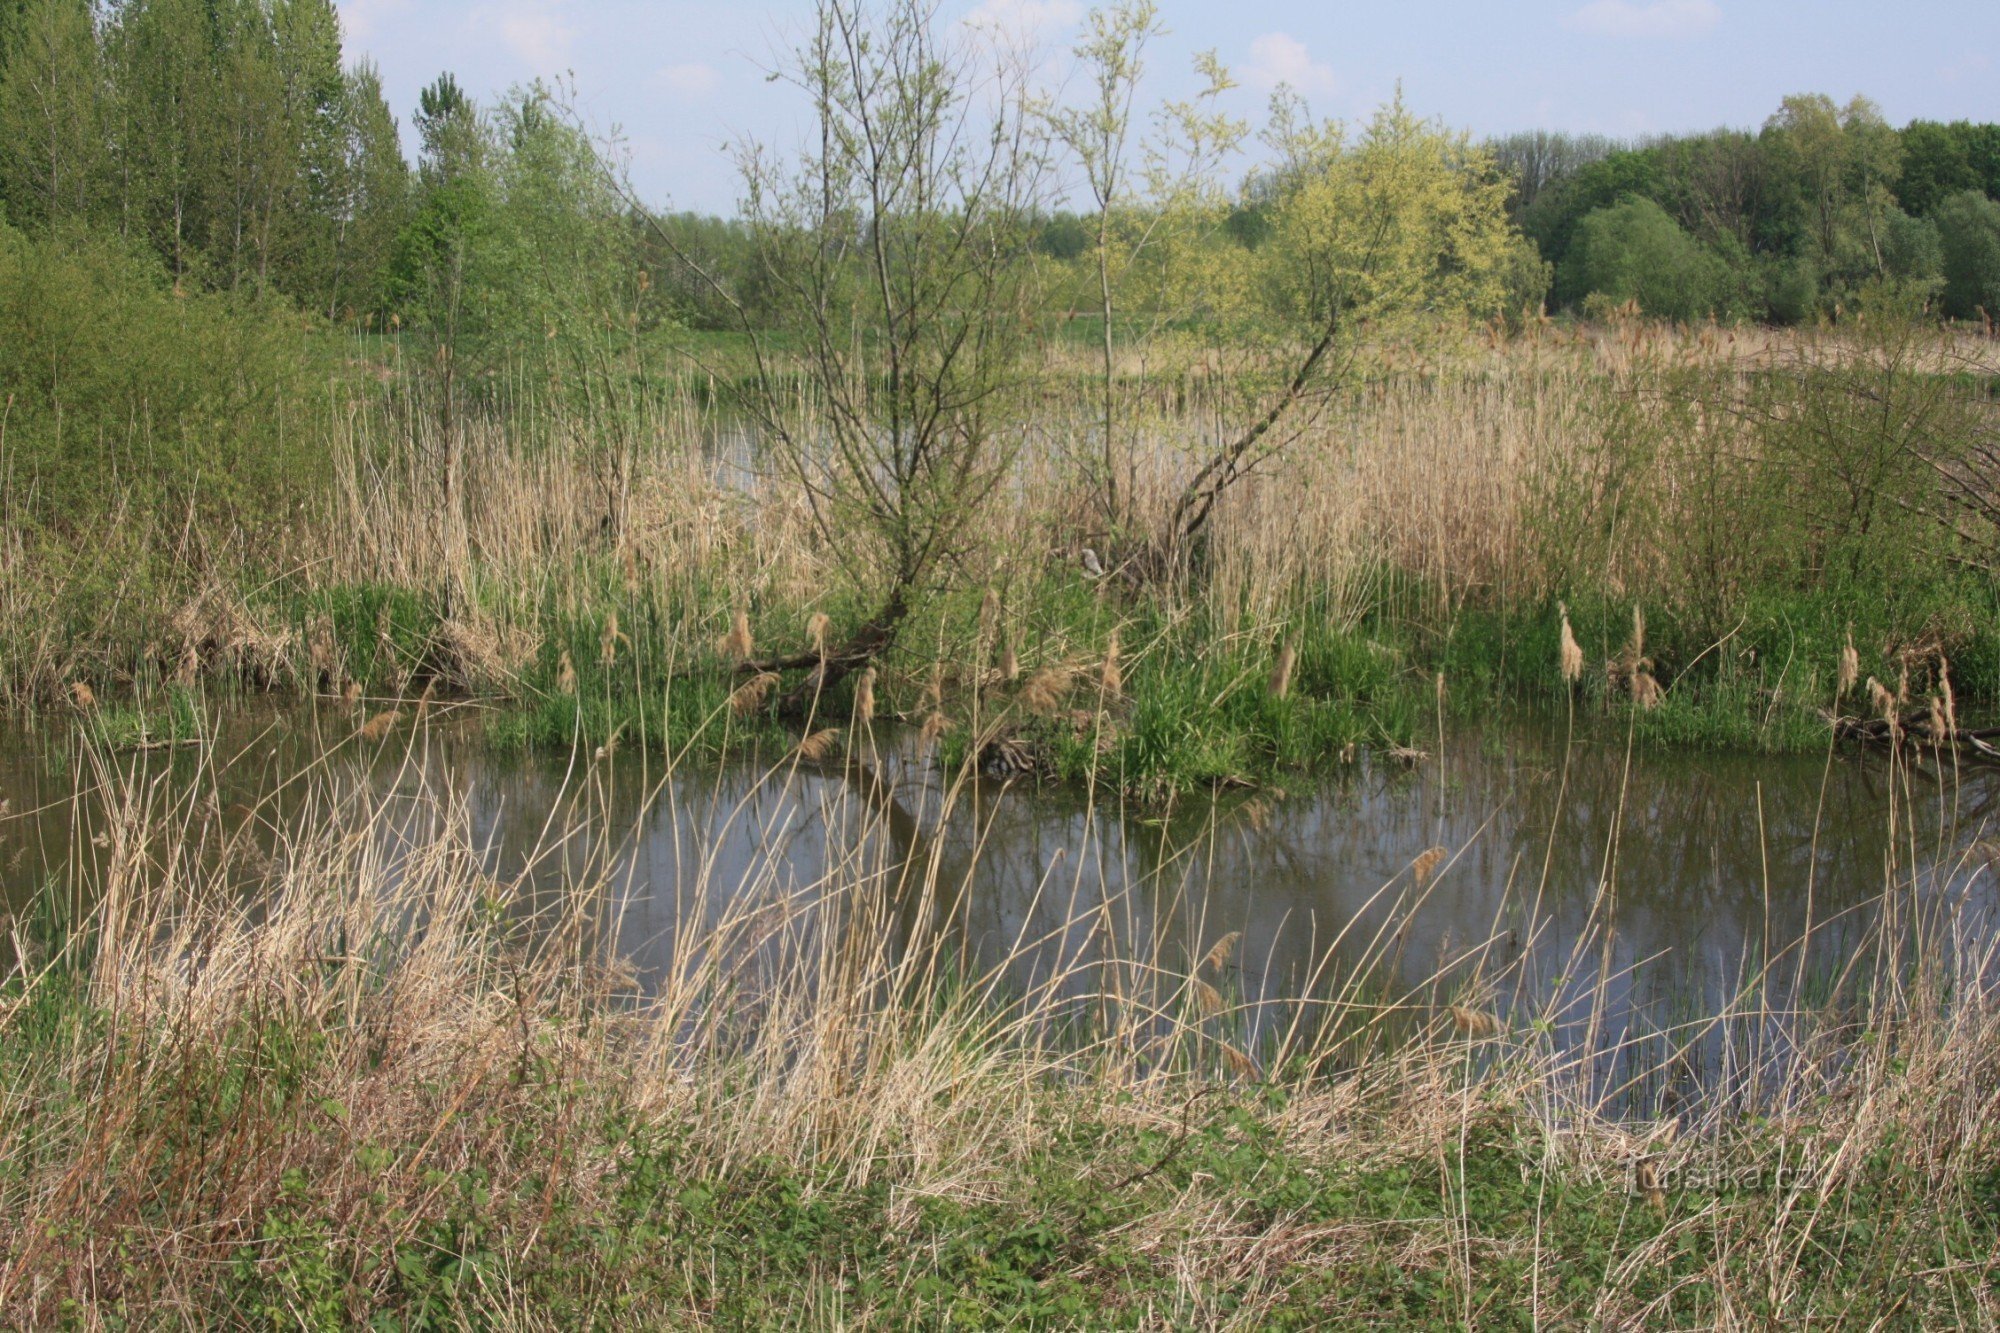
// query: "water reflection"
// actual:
[[1582, 883]]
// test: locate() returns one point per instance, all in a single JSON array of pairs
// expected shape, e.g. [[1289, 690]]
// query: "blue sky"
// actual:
[[682, 79]]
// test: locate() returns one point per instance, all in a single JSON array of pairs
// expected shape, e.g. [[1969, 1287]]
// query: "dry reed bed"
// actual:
[[1431, 470], [365, 1015]]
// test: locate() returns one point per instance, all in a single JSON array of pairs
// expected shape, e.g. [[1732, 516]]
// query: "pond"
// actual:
[[1573, 885]]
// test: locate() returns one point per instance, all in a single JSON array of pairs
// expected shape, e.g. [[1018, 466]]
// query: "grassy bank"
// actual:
[[310, 1111]]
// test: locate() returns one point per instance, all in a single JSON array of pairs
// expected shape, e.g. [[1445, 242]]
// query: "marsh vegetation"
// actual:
[[1090, 714]]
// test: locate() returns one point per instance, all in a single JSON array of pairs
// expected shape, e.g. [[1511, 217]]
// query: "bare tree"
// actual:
[[897, 253]]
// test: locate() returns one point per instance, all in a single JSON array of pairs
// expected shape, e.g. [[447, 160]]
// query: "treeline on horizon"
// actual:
[[230, 143]]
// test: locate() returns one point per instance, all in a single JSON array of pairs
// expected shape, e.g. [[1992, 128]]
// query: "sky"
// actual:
[[680, 81]]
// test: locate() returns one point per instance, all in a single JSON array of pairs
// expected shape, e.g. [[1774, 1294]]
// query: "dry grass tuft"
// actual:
[[1045, 690]]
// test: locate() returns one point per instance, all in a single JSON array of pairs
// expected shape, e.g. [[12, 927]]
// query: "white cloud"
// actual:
[[1024, 18], [690, 81], [1279, 57], [538, 35], [1661, 18]]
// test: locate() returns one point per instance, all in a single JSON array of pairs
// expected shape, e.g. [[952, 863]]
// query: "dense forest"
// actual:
[[234, 144]]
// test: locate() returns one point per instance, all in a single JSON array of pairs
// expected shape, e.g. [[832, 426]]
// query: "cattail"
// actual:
[[82, 695], [819, 745], [1474, 1023], [864, 698], [1281, 674], [566, 674], [378, 726], [935, 725], [736, 645], [1850, 667], [1112, 678], [1045, 689], [1010, 664], [1572, 652], [1219, 952], [750, 695], [1426, 865], [817, 624]]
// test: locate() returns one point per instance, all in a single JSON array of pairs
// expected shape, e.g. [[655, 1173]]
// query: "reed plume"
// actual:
[[1572, 652], [1850, 667], [1010, 663], [1281, 674], [1426, 865], [989, 611], [608, 641], [864, 698], [352, 694], [1219, 952], [631, 573], [1948, 695], [566, 674], [817, 625], [82, 695], [1240, 1064], [1207, 998], [750, 695], [737, 645], [936, 724], [1044, 692], [816, 747], [378, 726], [1111, 677], [1474, 1023]]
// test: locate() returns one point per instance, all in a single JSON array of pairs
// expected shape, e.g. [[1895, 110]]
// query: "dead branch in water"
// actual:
[[1918, 727]]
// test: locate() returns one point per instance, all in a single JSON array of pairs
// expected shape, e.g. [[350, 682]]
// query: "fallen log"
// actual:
[[1917, 727]]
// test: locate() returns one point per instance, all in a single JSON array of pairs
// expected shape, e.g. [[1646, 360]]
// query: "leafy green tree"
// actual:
[[1150, 195], [1397, 228], [1633, 251], [1968, 225], [53, 154], [1940, 160]]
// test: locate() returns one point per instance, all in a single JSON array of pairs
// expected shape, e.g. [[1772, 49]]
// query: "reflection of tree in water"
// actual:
[[1710, 864]]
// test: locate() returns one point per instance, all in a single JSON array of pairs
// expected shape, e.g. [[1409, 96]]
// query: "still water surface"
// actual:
[[1658, 884]]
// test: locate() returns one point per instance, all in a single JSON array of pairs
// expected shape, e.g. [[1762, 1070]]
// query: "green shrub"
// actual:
[[124, 391]]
